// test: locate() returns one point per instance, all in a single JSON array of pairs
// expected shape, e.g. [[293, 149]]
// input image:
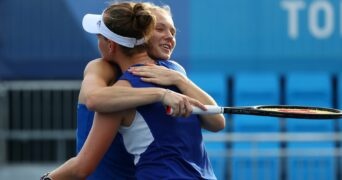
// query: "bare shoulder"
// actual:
[[99, 62], [100, 66]]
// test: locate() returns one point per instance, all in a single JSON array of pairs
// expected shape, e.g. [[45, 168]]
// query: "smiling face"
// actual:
[[163, 41]]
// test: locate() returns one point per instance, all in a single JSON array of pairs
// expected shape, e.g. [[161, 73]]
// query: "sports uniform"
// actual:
[[165, 147]]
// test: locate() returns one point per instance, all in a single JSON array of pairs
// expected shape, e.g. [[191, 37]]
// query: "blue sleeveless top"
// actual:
[[165, 147]]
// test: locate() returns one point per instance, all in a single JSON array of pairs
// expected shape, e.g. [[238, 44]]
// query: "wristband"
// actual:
[[45, 177]]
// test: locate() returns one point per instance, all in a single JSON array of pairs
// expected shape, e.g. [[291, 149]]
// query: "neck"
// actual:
[[126, 62]]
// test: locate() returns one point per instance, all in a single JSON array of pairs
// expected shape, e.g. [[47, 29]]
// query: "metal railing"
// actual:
[[38, 121]]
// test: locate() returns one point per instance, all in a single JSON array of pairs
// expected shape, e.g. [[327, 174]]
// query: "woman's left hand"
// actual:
[[157, 74]]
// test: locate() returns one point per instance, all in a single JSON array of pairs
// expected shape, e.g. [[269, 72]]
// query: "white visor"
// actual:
[[93, 23]]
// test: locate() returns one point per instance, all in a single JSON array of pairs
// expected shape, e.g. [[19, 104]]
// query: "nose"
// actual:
[[170, 37]]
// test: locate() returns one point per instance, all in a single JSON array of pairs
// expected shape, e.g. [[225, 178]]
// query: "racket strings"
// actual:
[[298, 110]]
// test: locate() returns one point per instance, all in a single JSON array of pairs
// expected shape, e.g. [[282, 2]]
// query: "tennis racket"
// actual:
[[285, 111]]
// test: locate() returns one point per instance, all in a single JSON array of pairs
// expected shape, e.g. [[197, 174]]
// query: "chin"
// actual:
[[166, 57]]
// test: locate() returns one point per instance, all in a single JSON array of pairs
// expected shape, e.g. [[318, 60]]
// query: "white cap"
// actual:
[[93, 23]]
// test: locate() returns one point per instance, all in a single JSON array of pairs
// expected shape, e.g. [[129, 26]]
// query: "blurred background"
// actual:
[[242, 52]]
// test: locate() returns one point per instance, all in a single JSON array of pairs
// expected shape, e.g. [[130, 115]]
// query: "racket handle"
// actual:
[[211, 109]]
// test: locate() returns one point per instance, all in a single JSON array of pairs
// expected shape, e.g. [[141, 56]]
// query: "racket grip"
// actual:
[[211, 109]]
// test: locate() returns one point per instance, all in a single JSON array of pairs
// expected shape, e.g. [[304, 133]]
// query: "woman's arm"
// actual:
[[104, 129], [98, 141], [213, 122], [97, 74], [100, 97], [116, 98], [163, 76]]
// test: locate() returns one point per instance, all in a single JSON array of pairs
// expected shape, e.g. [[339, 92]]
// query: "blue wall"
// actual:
[[255, 35], [44, 39]]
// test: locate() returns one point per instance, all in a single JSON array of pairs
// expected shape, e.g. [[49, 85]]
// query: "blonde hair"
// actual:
[[163, 8]]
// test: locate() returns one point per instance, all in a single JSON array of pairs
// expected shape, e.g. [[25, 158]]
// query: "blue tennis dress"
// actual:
[[165, 147]]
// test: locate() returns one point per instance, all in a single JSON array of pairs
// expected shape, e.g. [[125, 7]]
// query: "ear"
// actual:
[[112, 46]]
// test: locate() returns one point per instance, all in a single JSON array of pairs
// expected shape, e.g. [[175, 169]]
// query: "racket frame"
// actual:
[[258, 111]]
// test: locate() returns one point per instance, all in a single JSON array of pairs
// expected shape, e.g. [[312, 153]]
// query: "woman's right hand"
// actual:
[[158, 75], [181, 104]]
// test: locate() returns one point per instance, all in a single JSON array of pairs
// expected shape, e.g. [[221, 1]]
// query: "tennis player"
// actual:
[[117, 53], [117, 163]]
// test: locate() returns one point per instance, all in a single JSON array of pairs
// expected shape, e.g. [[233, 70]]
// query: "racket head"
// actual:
[[302, 112]]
